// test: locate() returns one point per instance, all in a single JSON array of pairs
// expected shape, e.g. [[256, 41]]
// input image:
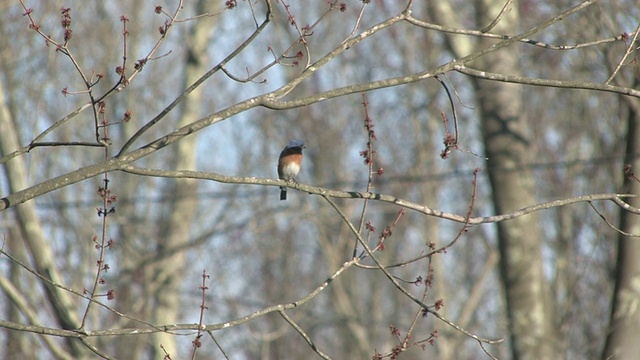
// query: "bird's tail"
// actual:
[[283, 193]]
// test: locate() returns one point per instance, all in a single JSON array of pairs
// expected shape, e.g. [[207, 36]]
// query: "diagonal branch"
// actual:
[[177, 327], [583, 85], [400, 287], [304, 335]]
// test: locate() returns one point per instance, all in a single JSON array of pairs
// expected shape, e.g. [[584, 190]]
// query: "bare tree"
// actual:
[[166, 123]]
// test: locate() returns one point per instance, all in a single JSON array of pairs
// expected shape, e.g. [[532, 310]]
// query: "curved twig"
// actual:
[[495, 21], [393, 280]]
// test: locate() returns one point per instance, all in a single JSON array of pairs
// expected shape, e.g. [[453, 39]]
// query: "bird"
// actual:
[[289, 163]]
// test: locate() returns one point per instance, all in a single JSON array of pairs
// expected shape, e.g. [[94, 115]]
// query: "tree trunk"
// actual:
[[622, 340], [168, 274], [31, 231], [507, 147]]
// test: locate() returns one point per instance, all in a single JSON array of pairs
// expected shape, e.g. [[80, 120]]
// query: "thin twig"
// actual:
[[525, 39], [302, 35], [107, 208], [198, 82], [450, 142], [197, 343], [604, 218], [486, 351], [495, 21], [357, 24], [465, 227], [400, 287], [77, 293], [94, 349], [369, 157], [218, 345], [627, 52], [303, 334]]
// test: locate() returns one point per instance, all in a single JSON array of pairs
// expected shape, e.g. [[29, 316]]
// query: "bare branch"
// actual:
[[626, 206], [303, 334], [218, 344], [525, 39], [628, 51], [566, 84], [74, 292], [375, 196], [400, 287], [615, 228], [505, 8], [178, 327]]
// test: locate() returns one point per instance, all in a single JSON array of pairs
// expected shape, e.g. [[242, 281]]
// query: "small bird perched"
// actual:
[[289, 163]]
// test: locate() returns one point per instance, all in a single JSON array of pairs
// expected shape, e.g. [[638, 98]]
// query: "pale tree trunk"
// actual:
[[31, 232], [622, 340], [507, 146], [168, 275]]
